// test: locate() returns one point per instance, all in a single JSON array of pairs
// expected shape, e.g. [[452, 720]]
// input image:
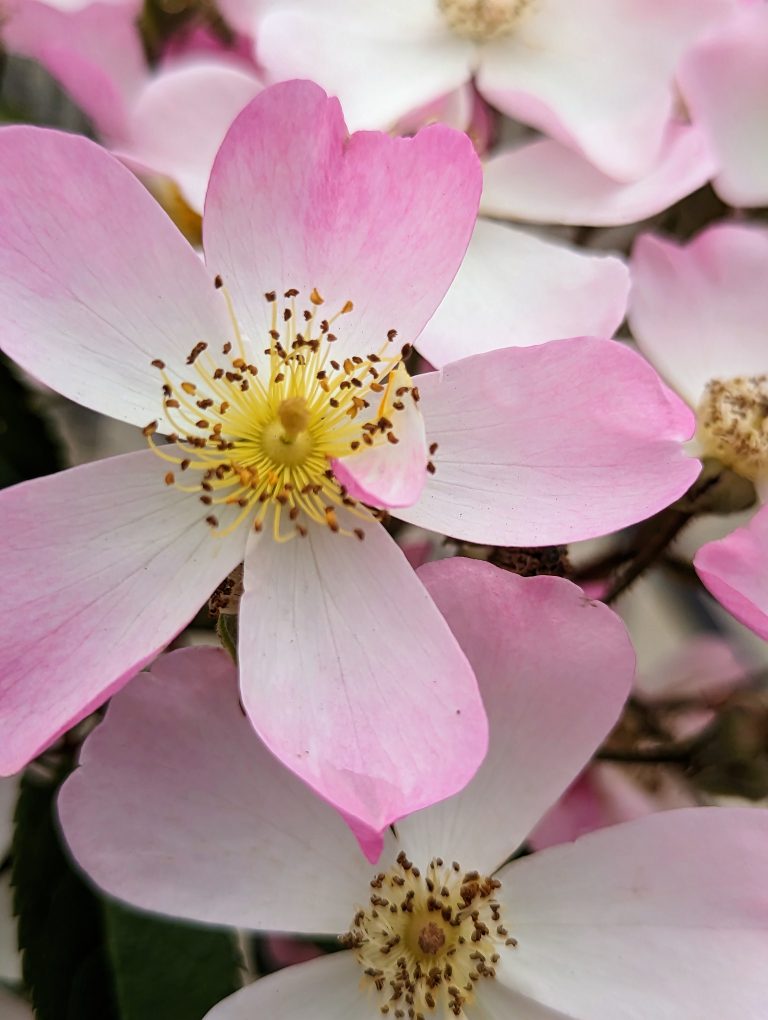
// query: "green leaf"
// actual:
[[165, 970], [61, 932]]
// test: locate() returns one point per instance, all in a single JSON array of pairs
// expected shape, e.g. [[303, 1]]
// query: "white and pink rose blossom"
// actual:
[[699, 313], [276, 367], [664, 917]]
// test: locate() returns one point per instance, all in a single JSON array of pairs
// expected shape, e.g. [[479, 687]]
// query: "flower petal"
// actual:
[[546, 182], [102, 566], [180, 119], [542, 652], [613, 107], [326, 989], [94, 52], [549, 444], [95, 281], [377, 221], [382, 59], [515, 290], [735, 570], [698, 311], [391, 474], [352, 678], [724, 80], [661, 917], [178, 807]]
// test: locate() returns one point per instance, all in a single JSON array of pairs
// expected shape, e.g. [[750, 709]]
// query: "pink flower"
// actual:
[[169, 122], [699, 314], [724, 80], [665, 917], [597, 76], [278, 367]]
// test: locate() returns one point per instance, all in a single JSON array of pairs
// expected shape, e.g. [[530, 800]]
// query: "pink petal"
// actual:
[[542, 653], [664, 917], [547, 182], [735, 570], [725, 84], [382, 60], [699, 311], [392, 474], [95, 53], [538, 445], [14, 1008], [95, 281], [352, 678], [180, 119], [325, 989], [515, 290], [177, 807], [102, 566], [381, 222], [704, 667], [598, 75]]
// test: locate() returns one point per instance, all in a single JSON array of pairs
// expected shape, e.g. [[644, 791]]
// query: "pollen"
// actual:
[[483, 20], [733, 424], [258, 421], [426, 941]]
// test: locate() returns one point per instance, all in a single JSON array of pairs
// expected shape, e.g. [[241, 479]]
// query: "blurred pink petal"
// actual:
[[699, 311], [735, 570], [724, 80], [352, 677], [515, 289], [349, 207], [705, 668], [535, 446], [103, 565], [542, 652], [546, 182]]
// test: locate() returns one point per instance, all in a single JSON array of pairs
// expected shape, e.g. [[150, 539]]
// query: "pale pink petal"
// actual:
[[94, 51], [381, 222], [515, 290], [549, 444], [327, 989], [352, 677], [455, 109], [14, 1008], [390, 474], [102, 565], [554, 670], [546, 182], [381, 58], [179, 121], [597, 75], [705, 667], [735, 570], [95, 281], [699, 311], [178, 807], [663, 917], [724, 80]]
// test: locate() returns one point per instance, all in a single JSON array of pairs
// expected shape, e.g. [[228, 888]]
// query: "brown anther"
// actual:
[[169, 478], [212, 521], [157, 363], [218, 282], [196, 351], [431, 467], [315, 298], [149, 430], [432, 449], [348, 306], [270, 296], [190, 388]]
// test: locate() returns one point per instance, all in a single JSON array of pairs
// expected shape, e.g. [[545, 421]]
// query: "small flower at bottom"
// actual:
[[661, 917]]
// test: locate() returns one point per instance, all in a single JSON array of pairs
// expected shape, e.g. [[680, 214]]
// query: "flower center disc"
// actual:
[[733, 424], [425, 941], [482, 20]]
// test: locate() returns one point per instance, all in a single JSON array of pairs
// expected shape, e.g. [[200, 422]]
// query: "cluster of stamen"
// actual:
[[733, 424], [426, 941], [482, 20], [255, 429]]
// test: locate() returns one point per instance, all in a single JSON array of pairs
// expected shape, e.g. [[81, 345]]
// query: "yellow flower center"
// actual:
[[426, 941], [482, 20], [733, 424], [256, 431]]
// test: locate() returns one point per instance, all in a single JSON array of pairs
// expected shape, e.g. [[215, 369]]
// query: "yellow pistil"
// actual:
[[733, 424], [425, 942], [483, 20], [256, 428]]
